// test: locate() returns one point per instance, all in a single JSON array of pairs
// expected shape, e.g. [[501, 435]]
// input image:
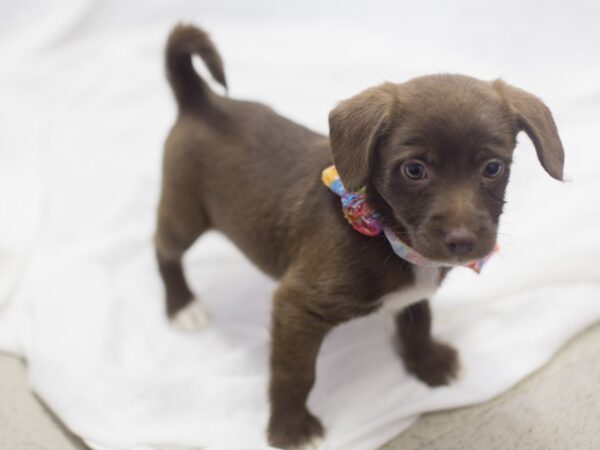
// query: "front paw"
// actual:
[[295, 431], [436, 364]]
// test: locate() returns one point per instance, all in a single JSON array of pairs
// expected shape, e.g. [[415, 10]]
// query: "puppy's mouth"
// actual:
[[456, 250], [457, 247]]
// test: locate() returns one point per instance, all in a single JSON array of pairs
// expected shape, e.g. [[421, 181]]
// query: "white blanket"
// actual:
[[84, 109]]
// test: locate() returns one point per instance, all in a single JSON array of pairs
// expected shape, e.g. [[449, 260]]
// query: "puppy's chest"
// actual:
[[427, 281]]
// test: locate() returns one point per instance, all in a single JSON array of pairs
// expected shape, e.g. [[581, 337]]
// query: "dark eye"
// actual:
[[492, 169], [414, 170]]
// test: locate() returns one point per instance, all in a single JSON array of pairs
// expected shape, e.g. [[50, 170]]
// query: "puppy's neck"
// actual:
[[378, 203]]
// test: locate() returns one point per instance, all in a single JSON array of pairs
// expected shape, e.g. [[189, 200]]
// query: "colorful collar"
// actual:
[[367, 221]]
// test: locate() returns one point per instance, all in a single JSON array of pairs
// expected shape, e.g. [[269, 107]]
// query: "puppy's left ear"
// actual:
[[355, 125], [534, 117]]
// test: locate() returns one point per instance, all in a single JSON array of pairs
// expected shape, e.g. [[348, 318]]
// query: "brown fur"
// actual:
[[239, 167]]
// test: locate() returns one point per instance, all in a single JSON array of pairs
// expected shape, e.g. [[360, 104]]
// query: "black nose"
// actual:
[[460, 241]]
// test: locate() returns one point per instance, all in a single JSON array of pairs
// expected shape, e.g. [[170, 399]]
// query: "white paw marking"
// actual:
[[313, 444], [193, 317]]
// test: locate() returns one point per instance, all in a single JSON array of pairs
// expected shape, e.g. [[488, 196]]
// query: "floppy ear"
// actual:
[[354, 127], [536, 120]]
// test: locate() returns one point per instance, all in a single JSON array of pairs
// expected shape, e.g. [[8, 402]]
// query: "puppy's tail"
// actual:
[[184, 42]]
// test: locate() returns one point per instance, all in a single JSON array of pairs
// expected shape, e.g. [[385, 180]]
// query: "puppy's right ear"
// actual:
[[354, 128], [536, 120]]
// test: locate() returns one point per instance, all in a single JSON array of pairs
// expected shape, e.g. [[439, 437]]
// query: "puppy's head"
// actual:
[[435, 155]]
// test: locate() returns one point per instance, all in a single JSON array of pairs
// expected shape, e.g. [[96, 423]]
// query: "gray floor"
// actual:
[[556, 408], [25, 423]]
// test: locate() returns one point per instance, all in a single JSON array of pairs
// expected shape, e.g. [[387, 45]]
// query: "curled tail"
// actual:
[[184, 42]]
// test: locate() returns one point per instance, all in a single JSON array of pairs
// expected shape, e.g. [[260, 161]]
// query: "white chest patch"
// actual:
[[427, 281]]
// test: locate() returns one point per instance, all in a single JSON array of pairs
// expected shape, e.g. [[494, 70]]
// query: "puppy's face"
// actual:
[[435, 154], [443, 166]]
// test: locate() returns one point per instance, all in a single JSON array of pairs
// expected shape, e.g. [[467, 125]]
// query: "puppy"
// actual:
[[433, 155]]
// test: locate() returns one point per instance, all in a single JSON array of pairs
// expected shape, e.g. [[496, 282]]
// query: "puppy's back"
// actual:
[[235, 155]]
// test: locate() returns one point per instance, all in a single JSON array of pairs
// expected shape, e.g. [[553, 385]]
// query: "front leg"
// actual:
[[433, 362], [297, 334]]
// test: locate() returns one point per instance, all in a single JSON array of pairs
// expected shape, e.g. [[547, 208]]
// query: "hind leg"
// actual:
[[180, 222]]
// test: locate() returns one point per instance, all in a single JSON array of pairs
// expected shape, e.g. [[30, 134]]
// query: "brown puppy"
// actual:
[[434, 154]]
